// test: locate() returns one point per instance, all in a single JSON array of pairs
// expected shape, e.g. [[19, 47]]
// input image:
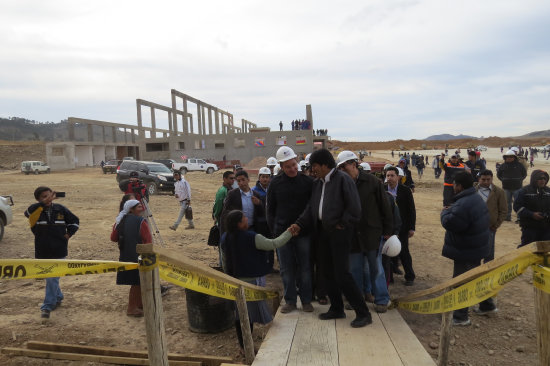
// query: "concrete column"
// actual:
[[217, 121], [115, 130], [103, 133], [191, 123], [170, 128], [199, 120], [184, 118], [153, 123], [133, 136], [90, 133], [243, 122], [309, 115], [70, 127], [203, 120], [175, 116], [210, 121], [125, 136], [139, 121]]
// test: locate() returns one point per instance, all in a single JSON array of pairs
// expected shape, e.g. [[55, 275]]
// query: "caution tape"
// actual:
[[477, 290], [44, 268], [207, 285], [541, 278]]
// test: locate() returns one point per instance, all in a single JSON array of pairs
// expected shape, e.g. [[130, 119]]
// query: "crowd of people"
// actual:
[[304, 124], [337, 229]]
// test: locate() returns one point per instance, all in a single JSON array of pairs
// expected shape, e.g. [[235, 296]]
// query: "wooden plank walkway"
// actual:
[[300, 338]]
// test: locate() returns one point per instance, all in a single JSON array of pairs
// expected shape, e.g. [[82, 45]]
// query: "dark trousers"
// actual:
[[334, 249], [319, 285], [529, 235], [405, 256], [459, 268], [448, 194]]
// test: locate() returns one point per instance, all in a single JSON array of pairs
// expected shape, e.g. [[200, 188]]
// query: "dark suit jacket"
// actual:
[[407, 210], [233, 202]]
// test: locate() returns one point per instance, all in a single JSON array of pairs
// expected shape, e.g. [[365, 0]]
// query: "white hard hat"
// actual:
[[303, 164], [387, 166], [307, 157], [271, 161], [366, 166], [285, 153], [392, 246], [276, 169], [299, 168], [510, 153], [344, 156], [264, 170], [401, 172], [515, 149]]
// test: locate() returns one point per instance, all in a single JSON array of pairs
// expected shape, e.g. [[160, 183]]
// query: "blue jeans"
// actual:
[[368, 273], [183, 207], [53, 294], [294, 259], [510, 195]]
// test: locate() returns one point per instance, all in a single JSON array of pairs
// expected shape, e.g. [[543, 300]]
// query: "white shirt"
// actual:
[[325, 180], [484, 192], [182, 189]]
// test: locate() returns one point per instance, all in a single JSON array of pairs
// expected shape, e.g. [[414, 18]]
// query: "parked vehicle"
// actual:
[[128, 158], [34, 167], [156, 176], [194, 164], [111, 166], [6, 215], [481, 148], [167, 162]]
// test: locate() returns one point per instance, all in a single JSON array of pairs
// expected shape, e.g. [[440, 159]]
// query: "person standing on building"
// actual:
[[376, 224], [475, 164], [182, 192], [52, 225], [451, 168], [532, 205], [495, 198], [280, 125], [287, 197], [332, 212], [407, 211], [511, 173], [466, 223]]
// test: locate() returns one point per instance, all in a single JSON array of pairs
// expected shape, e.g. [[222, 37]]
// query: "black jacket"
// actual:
[[467, 225], [233, 201], [341, 204], [286, 200], [49, 226], [532, 199], [475, 168], [376, 213], [242, 258], [407, 209], [511, 175]]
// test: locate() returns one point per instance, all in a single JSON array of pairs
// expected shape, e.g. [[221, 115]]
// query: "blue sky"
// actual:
[[372, 70]]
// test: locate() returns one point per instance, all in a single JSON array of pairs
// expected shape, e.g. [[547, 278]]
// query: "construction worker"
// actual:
[[511, 173], [271, 163], [451, 168], [475, 164]]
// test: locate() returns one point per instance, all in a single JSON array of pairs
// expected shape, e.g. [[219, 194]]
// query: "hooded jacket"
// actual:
[[467, 227], [532, 199], [511, 174]]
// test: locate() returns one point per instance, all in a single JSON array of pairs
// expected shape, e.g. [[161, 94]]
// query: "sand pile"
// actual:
[[256, 163]]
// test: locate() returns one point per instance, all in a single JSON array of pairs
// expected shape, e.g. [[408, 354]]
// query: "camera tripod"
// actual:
[[157, 239]]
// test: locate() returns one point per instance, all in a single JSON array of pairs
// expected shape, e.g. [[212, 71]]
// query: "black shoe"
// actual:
[[409, 282], [361, 321], [397, 271], [332, 315], [45, 314]]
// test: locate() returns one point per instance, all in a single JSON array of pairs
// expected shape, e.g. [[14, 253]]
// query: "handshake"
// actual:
[[294, 229]]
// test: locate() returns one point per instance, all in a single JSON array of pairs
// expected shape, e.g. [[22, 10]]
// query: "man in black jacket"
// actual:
[[52, 225], [532, 206], [333, 211], [511, 173], [475, 165], [466, 223], [407, 210], [287, 197]]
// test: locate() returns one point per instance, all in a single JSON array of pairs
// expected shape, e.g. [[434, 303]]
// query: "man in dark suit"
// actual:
[[405, 202]]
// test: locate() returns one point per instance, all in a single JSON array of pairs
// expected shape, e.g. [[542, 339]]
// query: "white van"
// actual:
[[35, 167]]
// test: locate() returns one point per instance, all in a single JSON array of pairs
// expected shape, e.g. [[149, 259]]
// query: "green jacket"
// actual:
[[218, 203]]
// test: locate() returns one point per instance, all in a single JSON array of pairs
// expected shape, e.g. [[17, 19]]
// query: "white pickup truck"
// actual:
[[6, 215], [193, 164]]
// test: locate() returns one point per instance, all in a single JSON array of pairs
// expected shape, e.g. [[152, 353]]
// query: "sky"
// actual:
[[372, 70]]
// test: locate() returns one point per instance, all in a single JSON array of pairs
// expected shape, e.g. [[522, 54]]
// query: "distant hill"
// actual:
[[447, 136], [544, 133]]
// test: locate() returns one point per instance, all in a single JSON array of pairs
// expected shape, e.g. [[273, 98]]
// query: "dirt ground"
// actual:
[[93, 311]]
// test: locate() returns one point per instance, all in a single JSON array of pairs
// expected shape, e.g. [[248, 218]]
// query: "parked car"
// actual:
[[128, 158], [194, 164], [111, 166], [35, 167], [156, 176], [481, 148], [6, 215], [167, 162]]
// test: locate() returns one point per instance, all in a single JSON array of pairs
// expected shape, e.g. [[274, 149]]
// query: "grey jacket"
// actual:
[[341, 204]]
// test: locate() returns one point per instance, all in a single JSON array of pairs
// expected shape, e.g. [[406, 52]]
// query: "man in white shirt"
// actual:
[[182, 191]]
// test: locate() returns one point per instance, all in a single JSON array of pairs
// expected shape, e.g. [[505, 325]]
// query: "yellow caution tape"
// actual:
[[475, 291], [43, 268], [541, 278], [206, 285], [148, 262]]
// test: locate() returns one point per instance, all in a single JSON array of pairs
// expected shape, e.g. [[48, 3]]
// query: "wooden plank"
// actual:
[[542, 312], [110, 351], [314, 341], [409, 348], [372, 343], [276, 346], [246, 332], [89, 358]]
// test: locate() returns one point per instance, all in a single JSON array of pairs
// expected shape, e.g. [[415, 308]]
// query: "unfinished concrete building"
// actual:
[[195, 129]]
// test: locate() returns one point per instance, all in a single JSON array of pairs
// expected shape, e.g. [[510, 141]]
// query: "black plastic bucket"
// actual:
[[209, 314]]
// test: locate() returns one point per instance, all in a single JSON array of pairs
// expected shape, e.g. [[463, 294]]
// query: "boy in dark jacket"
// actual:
[[511, 173], [52, 225], [466, 223], [532, 206]]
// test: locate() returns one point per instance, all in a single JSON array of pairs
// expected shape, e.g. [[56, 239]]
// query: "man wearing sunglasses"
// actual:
[[532, 205]]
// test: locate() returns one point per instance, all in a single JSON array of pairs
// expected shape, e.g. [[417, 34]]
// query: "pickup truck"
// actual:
[[6, 215], [34, 167], [193, 164]]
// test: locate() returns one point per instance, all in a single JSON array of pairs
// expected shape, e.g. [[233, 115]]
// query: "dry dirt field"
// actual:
[[93, 311]]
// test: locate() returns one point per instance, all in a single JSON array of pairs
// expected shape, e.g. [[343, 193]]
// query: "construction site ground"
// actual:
[[93, 312]]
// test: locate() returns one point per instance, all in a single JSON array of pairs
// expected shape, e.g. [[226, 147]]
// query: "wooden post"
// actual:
[[445, 338], [152, 309], [542, 313], [245, 325]]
